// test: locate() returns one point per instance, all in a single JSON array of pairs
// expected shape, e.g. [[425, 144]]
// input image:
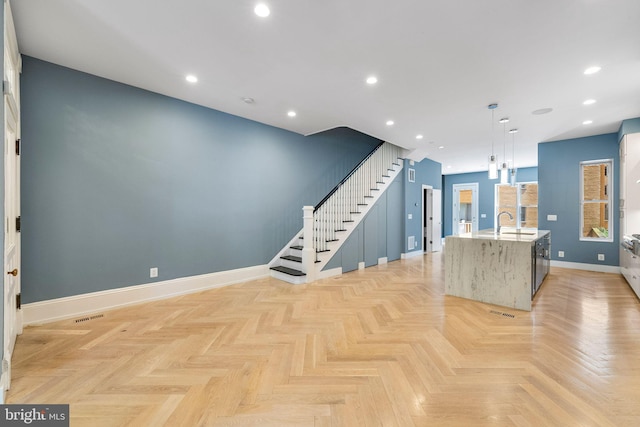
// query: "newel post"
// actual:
[[308, 252]]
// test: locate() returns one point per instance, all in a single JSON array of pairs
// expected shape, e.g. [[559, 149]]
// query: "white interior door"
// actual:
[[11, 89], [431, 219], [436, 223], [427, 219]]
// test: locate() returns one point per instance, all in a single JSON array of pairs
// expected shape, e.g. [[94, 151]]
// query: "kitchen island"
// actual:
[[504, 268]]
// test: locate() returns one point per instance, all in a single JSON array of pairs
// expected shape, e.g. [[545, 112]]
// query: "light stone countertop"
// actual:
[[506, 234], [495, 269]]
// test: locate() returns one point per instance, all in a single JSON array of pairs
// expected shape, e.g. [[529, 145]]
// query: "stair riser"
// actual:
[[296, 280], [291, 264]]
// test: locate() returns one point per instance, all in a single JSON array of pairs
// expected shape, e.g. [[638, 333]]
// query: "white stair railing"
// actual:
[[337, 209]]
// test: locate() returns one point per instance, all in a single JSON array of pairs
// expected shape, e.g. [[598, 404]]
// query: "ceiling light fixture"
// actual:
[[504, 171], [587, 122], [542, 111], [371, 80], [248, 100], [419, 136], [191, 78], [441, 147], [262, 10], [390, 122], [589, 102], [291, 113], [513, 157], [493, 161], [592, 70]]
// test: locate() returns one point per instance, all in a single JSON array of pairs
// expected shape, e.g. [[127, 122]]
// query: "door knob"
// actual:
[[13, 272]]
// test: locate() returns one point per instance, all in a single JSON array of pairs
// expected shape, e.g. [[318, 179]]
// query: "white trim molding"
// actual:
[[588, 267], [79, 305], [412, 254]]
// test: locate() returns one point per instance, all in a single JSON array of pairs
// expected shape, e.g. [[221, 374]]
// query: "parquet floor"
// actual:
[[378, 347]]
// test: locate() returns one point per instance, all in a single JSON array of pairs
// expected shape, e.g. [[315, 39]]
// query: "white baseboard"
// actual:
[[78, 305], [589, 267], [383, 260], [329, 273], [412, 254], [361, 265]]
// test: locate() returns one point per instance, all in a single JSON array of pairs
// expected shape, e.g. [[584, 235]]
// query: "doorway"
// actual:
[[465, 208], [431, 219]]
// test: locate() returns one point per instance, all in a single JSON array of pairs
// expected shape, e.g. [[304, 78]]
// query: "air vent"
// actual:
[[499, 313], [86, 319]]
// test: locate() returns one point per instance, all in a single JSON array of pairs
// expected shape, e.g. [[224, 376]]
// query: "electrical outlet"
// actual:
[[560, 254], [410, 216], [153, 272], [483, 215], [600, 257]]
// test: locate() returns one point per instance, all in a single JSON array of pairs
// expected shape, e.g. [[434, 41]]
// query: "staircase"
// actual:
[[327, 225]]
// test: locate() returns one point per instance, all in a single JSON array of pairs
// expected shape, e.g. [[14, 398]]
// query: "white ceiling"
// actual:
[[439, 64]]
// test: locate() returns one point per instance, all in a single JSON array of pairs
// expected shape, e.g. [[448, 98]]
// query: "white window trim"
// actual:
[[609, 201]]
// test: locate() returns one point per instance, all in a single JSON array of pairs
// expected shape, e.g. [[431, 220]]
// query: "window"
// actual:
[[596, 191], [521, 201]]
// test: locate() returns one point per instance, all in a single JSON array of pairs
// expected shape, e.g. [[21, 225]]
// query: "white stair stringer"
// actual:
[[324, 257], [294, 247]]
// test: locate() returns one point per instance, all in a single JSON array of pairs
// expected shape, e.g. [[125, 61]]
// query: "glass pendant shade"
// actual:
[[504, 174], [493, 167], [513, 176]]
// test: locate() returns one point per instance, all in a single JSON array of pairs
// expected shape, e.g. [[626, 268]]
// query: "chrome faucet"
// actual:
[[498, 220]]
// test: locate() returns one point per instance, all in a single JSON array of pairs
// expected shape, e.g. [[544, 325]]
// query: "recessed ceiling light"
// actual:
[[419, 136], [291, 113], [191, 78], [504, 120], [592, 70], [441, 147], [513, 131], [262, 10], [448, 166], [372, 80], [587, 122], [542, 111], [589, 102], [390, 122], [248, 100]]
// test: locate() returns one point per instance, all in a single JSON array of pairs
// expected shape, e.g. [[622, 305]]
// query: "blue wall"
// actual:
[[559, 194], [486, 195], [116, 180], [428, 172]]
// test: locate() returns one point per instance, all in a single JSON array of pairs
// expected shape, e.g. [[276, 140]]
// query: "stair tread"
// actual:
[[287, 270], [292, 258], [298, 247]]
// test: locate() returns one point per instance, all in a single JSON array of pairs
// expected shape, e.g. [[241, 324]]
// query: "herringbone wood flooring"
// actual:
[[378, 347]]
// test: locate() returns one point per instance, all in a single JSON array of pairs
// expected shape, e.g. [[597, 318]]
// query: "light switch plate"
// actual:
[[552, 217], [560, 254], [483, 215]]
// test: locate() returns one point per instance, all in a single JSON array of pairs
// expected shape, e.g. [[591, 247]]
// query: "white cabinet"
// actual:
[[630, 205]]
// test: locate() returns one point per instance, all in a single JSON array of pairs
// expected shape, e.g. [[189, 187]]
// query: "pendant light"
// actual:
[[513, 157], [493, 161], [504, 170]]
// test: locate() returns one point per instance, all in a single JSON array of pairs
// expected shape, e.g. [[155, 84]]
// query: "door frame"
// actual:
[[455, 215], [434, 223]]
